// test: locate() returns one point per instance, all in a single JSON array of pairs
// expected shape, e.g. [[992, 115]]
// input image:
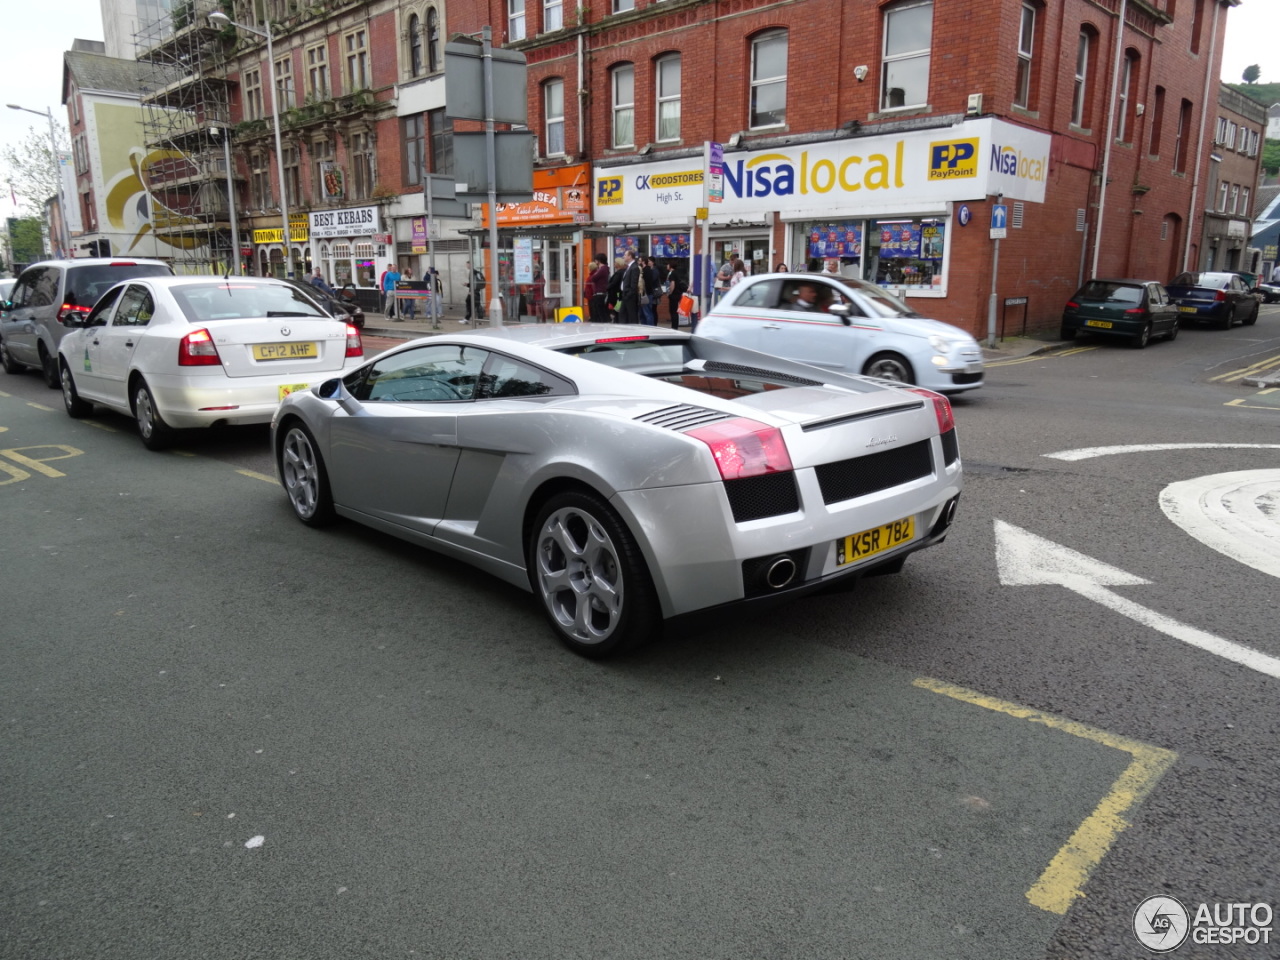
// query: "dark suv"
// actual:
[[46, 292]]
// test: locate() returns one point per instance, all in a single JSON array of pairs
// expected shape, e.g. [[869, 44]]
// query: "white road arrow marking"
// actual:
[[1237, 514], [1024, 559]]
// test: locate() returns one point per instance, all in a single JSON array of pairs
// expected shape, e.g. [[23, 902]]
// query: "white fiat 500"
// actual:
[[179, 352], [847, 326]]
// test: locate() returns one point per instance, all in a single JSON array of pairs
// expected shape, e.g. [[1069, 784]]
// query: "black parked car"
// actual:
[[1218, 298], [1134, 309], [335, 304]]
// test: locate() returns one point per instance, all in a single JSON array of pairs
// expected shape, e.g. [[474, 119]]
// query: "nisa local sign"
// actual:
[[861, 175]]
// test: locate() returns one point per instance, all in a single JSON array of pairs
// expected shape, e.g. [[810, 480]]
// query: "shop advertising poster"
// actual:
[[669, 245], [836, 240], [419, 234], [622, 244], [524, 259]]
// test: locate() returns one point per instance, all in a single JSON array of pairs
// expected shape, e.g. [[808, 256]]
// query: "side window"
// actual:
[[98, 315], [43, 287], [505, 377], [430, 374], [136, 308], [22, 290], [762, 295]]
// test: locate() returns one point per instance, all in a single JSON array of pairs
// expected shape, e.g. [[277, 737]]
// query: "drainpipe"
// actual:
[[1204, 120], [1111, 126]]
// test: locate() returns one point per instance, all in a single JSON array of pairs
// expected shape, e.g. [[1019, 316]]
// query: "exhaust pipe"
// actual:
[[782, 570]]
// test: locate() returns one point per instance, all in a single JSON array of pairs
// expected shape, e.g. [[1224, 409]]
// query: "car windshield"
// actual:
[[232, 300], [85, 284], [635, 353], [881, 304], [1214, 281], [1107, 290]]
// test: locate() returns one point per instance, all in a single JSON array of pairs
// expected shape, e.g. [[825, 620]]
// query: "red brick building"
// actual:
[[882, 133]]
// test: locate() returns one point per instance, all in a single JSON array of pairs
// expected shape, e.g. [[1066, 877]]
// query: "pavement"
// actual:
[[377, 325]]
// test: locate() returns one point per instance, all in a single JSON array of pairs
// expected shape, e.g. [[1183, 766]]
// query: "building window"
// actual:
[[362, 167], [1244, 203], [440, 130], [1180, 144], [515, 20], [1235, 198], [908, 39], [622, 6], [1080, 87], [667, 80], [553, 113], [1222, 197], [326, 182], [1157, 121], [413, 141], [623, 82], [415, 46], [357, 51], [552, 15], [259, 182], [1128, 81], [318, 72], [769, 80], [1026, 44], [286, 95], [253, 94], [433, 40], [292, 176], [1197, 24]]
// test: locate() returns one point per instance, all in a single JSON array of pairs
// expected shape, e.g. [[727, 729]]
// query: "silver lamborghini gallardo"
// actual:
[[626, 475]]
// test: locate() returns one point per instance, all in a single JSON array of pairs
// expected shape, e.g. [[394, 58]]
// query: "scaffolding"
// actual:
[[187, 128]]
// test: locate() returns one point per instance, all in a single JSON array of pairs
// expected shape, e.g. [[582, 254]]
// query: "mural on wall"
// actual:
[[126, 168]]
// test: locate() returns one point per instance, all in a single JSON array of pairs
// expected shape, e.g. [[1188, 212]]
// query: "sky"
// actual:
[[37, 32]]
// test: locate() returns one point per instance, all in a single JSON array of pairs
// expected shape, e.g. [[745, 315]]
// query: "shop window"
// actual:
[[1026, 55], [769, 80], [553, 117], [906, 253], [667, 79], [624, 105], [908, 42]]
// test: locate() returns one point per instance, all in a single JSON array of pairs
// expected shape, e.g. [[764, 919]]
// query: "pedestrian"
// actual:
[[1275, 274], [317, 280], [475, 293], [632, 277], [613, 293], [390, 277], [650, 292], [723, 276], [410, 302], [676, 286], [739, 272], [780, 268], [598, 285], [831, 266]]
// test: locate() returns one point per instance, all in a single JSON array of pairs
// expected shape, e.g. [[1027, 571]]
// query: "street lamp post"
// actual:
[[219, 17], [65, 239]]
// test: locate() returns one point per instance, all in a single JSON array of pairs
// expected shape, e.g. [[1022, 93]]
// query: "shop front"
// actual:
[[350, 248], [889, 209], [541, 251], [269, 257]]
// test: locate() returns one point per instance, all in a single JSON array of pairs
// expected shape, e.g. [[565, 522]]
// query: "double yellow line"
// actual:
[[1248, 371], [1039, 356]]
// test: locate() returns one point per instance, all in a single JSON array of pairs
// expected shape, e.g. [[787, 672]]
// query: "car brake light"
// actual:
[[1072, 305], [355, 347], [621, 339], [72, 308], [941, 408], [745, 448], [1135, 310], [196, 349], [1220, 296], [121, 263]]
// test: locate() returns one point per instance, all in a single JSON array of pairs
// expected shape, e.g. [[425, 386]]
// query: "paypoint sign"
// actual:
[[865, 175]]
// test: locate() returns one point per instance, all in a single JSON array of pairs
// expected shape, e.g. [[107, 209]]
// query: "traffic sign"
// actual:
[[999, 220]]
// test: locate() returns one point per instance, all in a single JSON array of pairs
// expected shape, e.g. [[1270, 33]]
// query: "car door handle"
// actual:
[[95, 343], [128, 343], [773, 326]]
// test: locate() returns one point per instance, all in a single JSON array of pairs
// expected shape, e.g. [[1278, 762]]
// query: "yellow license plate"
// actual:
[[289, 388], [285, 351], [1187, 310], [1105, 324], [876, 540]]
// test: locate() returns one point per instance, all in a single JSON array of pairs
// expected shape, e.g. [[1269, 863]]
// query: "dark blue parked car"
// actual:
[[1218, 298]]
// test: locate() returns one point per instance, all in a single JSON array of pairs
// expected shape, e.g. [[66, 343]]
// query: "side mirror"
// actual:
[[72, 318], [330, 389], [841, 310], [6, 304]]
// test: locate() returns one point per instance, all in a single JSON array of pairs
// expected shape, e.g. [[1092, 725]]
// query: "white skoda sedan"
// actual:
[[845, 326], [180, 352]]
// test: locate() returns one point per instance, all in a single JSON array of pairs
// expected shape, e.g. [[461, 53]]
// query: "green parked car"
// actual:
[[1134, 309]]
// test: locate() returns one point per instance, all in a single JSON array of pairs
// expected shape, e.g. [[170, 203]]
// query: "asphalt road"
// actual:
[[227, 735]]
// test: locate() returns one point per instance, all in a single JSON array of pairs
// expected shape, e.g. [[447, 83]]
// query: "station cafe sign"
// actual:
[[869, 175], [560, 195]]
